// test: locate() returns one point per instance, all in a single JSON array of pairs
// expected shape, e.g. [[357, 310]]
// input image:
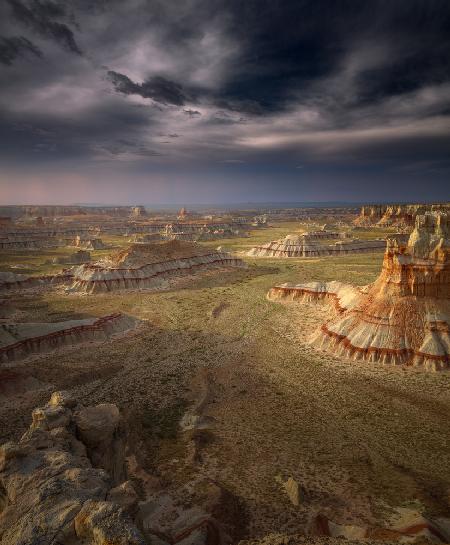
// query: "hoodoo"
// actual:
[[403, 317], [308, 245], [147, 266]]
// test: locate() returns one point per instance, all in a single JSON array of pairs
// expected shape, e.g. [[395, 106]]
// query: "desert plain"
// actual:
[[361, 440]]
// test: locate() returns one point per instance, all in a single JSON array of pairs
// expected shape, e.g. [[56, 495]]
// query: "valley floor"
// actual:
[[360, 439]]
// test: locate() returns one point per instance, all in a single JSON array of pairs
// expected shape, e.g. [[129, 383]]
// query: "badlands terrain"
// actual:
[[193, 408]]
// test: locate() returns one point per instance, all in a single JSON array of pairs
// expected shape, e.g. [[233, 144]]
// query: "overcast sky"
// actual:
[[191, 101]]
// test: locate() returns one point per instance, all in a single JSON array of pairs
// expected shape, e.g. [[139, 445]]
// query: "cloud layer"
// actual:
[[229, 88]]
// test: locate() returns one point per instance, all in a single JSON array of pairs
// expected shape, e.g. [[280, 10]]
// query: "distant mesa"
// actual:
[[138, 212], [403, 317], [309, 245], [146, 266], [197, 233], [396, 215]]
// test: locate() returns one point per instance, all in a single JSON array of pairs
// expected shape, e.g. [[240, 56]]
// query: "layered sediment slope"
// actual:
[[403, 317], [146, 266], [17, 341], [307, 246]]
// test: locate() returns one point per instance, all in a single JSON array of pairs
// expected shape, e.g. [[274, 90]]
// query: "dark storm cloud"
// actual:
[[244, 83], [157, 88], [192, 113], [16, 46], [43, 17]]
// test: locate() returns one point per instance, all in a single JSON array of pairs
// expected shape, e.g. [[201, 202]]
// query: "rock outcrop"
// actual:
[[403, 317], [308, 245], [147, 266], [65, 482], [17, 341]]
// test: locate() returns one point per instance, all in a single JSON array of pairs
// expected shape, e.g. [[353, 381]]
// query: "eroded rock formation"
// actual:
[[65, 481], [17, 341], [403, 317], [147, 266], [308, 245]]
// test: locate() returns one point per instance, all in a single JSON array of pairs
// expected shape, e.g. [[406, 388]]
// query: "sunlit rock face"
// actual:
[[403, 317], [309, 245], [147, 266]]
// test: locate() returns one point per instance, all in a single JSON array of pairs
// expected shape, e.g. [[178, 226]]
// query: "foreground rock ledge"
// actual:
[[64, 481]]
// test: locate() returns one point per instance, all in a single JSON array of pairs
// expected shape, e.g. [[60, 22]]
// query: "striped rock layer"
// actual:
[[304, 246], [403, 317], [17, 341], [147, 266]]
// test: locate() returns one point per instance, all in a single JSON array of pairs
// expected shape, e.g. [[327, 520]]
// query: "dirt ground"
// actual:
[[360, 439]]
